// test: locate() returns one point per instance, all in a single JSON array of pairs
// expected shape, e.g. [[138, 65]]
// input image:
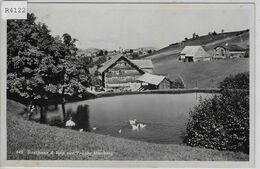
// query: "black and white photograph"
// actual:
[[117, 82]]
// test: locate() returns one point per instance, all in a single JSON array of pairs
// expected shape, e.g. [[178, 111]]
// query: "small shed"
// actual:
[[150, 81], [193, 54]]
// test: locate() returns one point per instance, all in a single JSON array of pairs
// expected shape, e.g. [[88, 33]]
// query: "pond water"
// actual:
[[165, 115]]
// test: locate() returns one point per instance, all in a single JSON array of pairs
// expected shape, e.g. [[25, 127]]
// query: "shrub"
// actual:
[[177, 83], [222, 121], [239, 81]]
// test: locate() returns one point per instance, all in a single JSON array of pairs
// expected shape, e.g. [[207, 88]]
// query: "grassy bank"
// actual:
[[42, 139]]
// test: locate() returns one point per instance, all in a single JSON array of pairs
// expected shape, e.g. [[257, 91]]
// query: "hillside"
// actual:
[[240, 38], [202, 74]]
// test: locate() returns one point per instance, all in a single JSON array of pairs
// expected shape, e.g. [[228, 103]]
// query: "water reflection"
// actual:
[[58, 116], [80, 117]]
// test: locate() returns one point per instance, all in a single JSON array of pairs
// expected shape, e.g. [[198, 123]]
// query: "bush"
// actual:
[[222, 121], [177, 83], [239, 81]]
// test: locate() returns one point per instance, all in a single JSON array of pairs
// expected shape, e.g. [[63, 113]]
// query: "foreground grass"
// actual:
[[52, 143]]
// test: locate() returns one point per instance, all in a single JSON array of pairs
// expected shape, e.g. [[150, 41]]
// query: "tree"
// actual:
[[194, 35], [135, 55], [214, 33], [32, 59], [100, 53], [41, 67]]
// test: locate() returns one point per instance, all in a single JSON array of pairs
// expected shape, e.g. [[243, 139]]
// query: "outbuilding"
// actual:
[[151, 81], [228, 52], [193, 54]]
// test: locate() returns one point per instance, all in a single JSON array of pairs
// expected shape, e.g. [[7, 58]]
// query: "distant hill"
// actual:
[[146, 48], [240, 38], [89, 51], [202, 74]]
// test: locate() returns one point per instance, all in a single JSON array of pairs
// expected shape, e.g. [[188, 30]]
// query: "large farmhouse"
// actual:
[[228, 51], [122, 74], [193, 54]]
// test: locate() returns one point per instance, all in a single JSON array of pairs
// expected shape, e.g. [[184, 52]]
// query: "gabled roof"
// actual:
[[140, 64], [231, 47], [151, 79], [195, 51], [144, 63], [108, 63], [190, 50], [115, 58]]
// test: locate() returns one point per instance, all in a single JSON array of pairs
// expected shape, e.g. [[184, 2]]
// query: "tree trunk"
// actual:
[[43, 114], [64, 113], [63, 105]]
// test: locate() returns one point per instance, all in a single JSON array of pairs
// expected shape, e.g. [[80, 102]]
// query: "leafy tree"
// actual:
[[100, 53], [41, 67], [214, 33], [135, 55]]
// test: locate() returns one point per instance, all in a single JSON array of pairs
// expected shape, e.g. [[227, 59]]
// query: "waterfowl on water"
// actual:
[[141, 125], [70, 123], [135, 127], [120, 131], [94, 128], [138, 126], [132, 122]]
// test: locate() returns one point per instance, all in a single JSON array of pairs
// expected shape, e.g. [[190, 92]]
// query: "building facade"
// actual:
[[228, 52], [121, 74]]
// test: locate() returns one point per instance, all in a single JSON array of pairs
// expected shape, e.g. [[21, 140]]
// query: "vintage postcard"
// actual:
[[151, 84]]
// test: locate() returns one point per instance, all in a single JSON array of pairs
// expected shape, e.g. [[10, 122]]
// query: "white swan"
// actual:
[[132, 122], [94, 128], [120, 131], [80, 130], [135, 127], [141, 125], [70, 123]]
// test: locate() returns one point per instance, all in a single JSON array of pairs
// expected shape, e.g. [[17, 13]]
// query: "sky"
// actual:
[[129, 26]]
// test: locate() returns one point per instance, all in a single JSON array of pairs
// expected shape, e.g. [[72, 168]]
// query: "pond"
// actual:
[[164, 115]]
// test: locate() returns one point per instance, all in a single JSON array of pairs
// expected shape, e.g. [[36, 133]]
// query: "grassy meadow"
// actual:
[[207, 74]]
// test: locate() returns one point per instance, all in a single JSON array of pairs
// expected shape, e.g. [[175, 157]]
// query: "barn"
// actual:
[[228, 51], [193, 54]]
